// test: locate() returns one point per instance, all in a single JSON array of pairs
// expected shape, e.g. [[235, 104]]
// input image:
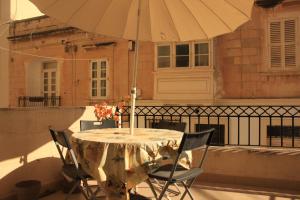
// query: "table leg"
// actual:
[[117, 191]]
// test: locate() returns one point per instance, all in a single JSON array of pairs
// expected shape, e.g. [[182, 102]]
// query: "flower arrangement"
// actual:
[[104, 111]]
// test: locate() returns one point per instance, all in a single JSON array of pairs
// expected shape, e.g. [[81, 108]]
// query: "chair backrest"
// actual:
[[196, 140], [192, 141], [88, 125], [178, 126], [61, 141]]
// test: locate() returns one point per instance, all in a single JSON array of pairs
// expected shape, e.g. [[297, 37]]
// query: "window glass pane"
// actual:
[[182, 61], [103, 83], [164, 56], [94, 65], [163, 50], [53, 80], [182, 55], [94, 74], [182, 49], [103, 64], [103, 92], [94, 92], [53, 88], [49, 65], [45, 88], [94, 84], [201, 60], [45, 81], [45, 74], [163, 62], [201, 48], [103, 73]]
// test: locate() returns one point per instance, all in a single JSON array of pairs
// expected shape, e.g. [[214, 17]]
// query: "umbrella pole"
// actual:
[[134, 72]]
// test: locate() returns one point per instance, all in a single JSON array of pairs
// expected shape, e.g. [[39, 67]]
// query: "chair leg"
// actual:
[[177, 188], [89, 193], [152, 188], [163, 190], [76, 184], [187, 191]]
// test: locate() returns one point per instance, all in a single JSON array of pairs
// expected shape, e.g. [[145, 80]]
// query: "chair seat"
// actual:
[[71, 171], [138, 197], [181, 173]]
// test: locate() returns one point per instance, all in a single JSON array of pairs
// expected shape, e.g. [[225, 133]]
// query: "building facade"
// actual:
[[52, 64], [10, 11]]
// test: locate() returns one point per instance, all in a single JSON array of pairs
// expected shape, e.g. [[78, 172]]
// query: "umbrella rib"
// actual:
[[217, 16], [164, 2], [237, 8], [76, 11], [96, 25], [127, 19], [196, 21], [150, 19], [49, 6]]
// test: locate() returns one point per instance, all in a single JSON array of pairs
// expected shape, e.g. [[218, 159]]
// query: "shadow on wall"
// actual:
[[26, 147], [46, 170]]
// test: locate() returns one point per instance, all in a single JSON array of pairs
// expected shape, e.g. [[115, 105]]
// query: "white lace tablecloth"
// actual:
[[121, 160]]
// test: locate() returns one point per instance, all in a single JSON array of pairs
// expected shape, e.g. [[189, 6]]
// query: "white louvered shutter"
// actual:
[[290, 43], [276, 43], [283, 44]]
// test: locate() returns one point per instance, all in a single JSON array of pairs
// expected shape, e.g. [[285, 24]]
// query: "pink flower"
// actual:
[[104, 111]]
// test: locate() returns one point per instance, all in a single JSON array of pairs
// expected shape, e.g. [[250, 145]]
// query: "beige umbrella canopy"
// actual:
[[160, 20], [150, 20]]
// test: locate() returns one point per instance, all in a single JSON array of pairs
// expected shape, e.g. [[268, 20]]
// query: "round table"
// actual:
[[121, 160]]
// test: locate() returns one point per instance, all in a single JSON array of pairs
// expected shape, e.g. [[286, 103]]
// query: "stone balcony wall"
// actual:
[[26, 146]]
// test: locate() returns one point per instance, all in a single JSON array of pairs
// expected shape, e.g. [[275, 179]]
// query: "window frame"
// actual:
[[282, 18], [49, 70], [156, 55], [194, 54], [98, 79], [191, 56]]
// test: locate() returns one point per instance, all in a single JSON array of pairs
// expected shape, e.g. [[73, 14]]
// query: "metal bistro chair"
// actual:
[[179, 174], [73, 170], [171, 125], [88, 125]]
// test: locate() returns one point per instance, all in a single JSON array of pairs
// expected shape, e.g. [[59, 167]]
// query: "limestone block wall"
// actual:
[[242, 62], [74, 65]]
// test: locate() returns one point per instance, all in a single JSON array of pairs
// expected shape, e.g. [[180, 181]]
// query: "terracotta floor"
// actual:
[[208, 193]]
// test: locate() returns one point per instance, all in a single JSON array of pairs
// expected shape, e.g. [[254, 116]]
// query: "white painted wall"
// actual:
[[10, 10], [33, 78]]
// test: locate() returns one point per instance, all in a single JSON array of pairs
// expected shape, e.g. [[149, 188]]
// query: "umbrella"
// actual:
[[150, 20]]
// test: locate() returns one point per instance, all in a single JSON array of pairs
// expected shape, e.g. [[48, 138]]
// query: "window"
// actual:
[[201, 54], [99, 78], [163, 56], [183, 55], [49, 89], [49, 79], [283, 44]]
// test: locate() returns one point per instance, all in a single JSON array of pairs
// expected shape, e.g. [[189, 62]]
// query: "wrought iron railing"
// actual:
[[39, 101], [273, 126]]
